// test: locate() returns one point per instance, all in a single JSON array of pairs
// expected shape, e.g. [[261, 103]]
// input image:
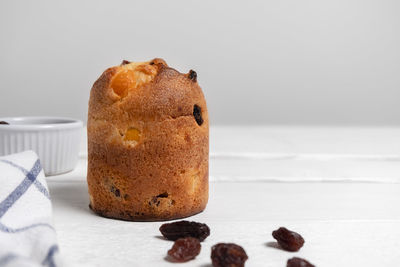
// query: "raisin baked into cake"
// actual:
[[147, 143]]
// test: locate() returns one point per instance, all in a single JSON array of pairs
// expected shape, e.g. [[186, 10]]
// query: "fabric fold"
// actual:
[[27, 235]]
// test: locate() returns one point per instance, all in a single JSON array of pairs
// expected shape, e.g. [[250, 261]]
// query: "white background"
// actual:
[[289, 62]]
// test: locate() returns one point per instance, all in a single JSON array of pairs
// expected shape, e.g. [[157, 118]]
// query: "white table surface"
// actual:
[[337, 186]]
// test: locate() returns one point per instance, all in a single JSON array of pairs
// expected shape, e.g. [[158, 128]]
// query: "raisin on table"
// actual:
[[176, 230], [288, 240], [185, 249], [228, 255], [298, 262]]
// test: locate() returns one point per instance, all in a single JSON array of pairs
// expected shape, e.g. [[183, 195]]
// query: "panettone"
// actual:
[[147, 143]]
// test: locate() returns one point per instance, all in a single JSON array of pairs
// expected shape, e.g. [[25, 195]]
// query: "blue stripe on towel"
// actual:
[[21, 188], [38, 185], [49, 260], [42, 189], [7, 258], [7, 229]]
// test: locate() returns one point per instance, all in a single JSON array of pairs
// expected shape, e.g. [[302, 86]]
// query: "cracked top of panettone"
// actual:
[[146, 91]]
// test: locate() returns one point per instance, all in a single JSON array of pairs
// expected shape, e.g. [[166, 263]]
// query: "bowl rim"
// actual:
[[64, 123]]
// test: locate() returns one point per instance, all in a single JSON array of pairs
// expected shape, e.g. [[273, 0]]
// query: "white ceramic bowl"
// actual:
[[55, 140]]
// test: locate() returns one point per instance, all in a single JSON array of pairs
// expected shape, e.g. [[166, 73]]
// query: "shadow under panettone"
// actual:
[[70, 196]]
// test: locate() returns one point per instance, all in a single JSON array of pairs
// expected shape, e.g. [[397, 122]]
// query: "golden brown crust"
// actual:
[[164, 174]]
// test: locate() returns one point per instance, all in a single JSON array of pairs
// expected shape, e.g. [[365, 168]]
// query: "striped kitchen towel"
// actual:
[[27, 236]]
